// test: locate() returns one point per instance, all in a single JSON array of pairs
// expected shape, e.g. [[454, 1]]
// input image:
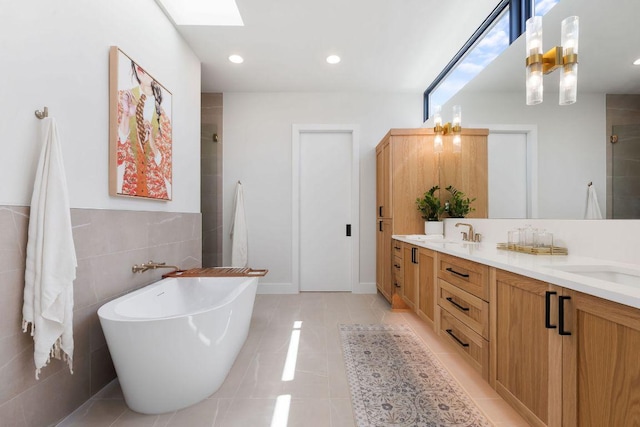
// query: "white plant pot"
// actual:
[[433, 227]]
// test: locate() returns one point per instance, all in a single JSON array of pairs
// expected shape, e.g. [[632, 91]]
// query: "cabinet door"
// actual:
[[426, 284], [526, 349], [468, 170], [414, 170], [601, 370], [410, 271], [383, 180], [383, 258]]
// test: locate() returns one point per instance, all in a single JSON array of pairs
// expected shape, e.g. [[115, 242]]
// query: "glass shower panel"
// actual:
[[626, 172]]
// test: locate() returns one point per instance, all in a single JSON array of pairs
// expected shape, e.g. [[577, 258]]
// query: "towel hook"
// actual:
[[42, 114], [590, 184]]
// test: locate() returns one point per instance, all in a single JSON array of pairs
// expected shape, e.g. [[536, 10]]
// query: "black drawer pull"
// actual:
[[561, 330], [397, 248], [451, 270], [450, 332], [547, 308], [457, 305], [397, 266], [380, 211], [380, 225]]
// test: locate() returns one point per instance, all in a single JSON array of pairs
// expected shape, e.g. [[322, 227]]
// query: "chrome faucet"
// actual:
[[151, 266], [469, 236]]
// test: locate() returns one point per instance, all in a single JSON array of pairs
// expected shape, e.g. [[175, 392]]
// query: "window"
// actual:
[[489, 46], [542, 6], [501, 28]]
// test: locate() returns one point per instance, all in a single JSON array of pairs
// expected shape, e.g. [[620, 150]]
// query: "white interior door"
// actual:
[[325, 211], [508, 189]]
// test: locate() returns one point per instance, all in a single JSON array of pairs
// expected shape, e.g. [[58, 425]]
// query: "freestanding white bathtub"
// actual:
[[173, 342]]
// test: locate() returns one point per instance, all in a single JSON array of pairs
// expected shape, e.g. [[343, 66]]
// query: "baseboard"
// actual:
[[289, 288], [365, 288], [276, 288]]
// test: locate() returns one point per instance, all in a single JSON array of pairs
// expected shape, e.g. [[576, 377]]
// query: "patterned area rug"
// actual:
[[396, 381]]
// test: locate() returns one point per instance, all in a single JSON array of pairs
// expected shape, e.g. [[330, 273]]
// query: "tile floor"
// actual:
[[315, 394]]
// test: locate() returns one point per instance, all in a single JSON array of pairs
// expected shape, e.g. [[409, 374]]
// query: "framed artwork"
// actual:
[[140, 136]]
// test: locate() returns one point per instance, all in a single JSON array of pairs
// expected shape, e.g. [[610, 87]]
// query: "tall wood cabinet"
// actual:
[[563, 358], [406, 167]]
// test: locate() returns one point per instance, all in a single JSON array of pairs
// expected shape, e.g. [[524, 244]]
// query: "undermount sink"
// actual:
[[609, 273]]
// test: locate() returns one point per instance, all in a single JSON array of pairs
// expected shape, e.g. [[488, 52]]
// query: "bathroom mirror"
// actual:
[[566, 147]]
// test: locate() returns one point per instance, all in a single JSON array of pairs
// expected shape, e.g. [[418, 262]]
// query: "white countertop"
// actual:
[[546, 268]]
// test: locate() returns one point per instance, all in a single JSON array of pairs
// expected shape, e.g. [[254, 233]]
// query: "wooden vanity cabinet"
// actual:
[[526, 356], [564, 358], [409, 289], [463, 309], [600, 359], [426, 300], [418, 286]]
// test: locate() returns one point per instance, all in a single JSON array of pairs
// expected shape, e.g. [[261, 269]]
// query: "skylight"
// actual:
[[202, 12]]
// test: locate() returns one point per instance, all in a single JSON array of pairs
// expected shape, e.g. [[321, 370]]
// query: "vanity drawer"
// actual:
[[397, 269], [467, 275], [396, 249], [467, 308], [470, 345]]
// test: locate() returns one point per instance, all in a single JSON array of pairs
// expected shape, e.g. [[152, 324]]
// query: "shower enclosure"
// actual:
[[625, 171]]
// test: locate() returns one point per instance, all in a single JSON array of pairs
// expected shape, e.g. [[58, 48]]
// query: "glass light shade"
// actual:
[[457, 144], [568, 84], [534, 36], [457, 116], [437, 144], [569, 34], [535, 85], [534, 71], [437, 116], [569, 76]]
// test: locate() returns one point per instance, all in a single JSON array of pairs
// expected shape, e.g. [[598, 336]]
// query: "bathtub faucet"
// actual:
[[151, 266]]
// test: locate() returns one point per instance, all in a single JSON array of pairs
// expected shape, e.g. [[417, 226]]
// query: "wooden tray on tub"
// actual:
[[218, 272]]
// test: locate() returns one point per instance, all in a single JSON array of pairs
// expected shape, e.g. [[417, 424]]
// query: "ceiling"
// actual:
[[385, 45]]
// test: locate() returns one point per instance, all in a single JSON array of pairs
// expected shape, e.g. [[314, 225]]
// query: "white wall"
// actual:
[[257, 151], [55, 53]]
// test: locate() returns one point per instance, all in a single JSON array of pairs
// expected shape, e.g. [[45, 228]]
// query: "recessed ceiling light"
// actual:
[[202, 12], [333, 59], [236, 59], [636, 62]]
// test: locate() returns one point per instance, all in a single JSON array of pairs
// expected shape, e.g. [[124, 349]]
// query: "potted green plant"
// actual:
[[431, 208], [458, 205]]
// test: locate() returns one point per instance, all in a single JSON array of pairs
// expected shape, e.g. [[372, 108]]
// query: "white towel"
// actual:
[[238, 234], [593, 208], [51, 258]]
